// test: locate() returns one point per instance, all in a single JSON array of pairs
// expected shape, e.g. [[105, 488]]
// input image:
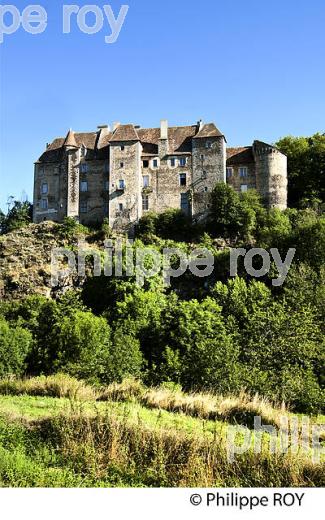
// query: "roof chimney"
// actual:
[[100, 127], [164, 129], [116, 124], [200, 124]]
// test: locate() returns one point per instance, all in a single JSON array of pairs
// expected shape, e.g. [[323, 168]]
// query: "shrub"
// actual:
[[15, 343]]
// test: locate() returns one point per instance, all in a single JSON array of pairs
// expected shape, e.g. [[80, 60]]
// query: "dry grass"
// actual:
[[152, 457], [239, 409], [130, 389], [59, 385]]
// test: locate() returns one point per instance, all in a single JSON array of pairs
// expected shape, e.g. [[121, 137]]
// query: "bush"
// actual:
[[15, 343]]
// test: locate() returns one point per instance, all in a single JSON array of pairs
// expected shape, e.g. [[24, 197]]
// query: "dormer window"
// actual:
[[173, 162], [182, 161], [145, 164], [155, 163]]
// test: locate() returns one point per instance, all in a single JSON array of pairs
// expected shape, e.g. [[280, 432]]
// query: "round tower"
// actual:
[[271, 175]]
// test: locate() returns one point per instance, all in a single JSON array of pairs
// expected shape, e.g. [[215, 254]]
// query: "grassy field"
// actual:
[[59, 432]]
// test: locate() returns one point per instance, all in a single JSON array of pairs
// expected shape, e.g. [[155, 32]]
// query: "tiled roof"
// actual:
[[240, 155], [209, 130], [70, 140], [179, 139], [124, 133]]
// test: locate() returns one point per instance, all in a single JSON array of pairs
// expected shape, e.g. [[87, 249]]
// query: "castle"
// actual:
[[121, 174]]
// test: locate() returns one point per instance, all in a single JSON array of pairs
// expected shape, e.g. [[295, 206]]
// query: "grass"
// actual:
[[129, 435]]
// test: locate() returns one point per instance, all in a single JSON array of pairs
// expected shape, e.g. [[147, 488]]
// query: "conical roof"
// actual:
[[70, 140]]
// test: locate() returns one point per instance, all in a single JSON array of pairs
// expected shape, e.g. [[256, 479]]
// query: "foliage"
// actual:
[[20, 215], [306, 169], [15, 344]]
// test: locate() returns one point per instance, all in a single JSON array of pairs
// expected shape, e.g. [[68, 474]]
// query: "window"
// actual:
[[45, 188], [145, 202], [155, 163], [243, 172], [205, 188], [146, 164], [122, 164], [105, 209], [184, 202], [84, 206], [182, 161], [106, 185], [145, 181], [84, 186], [182, 179], [202, 157], [120, 206], [204, 174], [44, 204], [243, 188], [122, 148], [84, 167], [208, 144], [173, 162], [121, 184], [229, 172], [41, 170]]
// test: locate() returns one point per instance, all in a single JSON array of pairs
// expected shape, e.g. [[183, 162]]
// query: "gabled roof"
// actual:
[[208, 130], [179, 139], [124, 133]]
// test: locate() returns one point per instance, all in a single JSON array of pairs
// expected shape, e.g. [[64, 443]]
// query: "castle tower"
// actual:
[[72, 152], [209, 165], [271, 174]]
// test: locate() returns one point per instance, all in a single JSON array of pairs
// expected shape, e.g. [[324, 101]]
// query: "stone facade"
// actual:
[[123, 173]]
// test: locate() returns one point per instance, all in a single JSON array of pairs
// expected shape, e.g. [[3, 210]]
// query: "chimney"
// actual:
[[163, 142], [102, 127], [200, 125], [116, 124], [164, 129]]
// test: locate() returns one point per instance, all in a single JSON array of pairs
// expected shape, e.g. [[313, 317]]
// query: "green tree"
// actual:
[[230, 216], [15, 343], [20, 215], [306, 169]]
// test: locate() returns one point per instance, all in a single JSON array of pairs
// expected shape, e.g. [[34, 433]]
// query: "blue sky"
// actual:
[[256, 68]]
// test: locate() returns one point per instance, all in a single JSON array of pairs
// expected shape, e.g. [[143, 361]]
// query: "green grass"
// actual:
[[67, 442]]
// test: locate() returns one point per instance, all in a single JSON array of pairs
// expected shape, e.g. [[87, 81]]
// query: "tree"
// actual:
[[19, 215], [230, 216], [15, 343], [306, 169]]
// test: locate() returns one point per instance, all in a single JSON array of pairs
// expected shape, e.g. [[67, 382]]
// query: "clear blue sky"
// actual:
[[256, 68]]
